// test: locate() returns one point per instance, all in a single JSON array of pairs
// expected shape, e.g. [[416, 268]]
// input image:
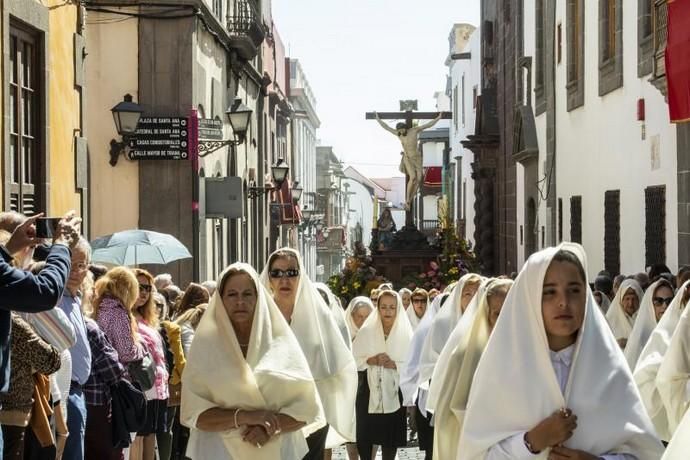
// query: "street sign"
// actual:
[[160, 138], [210, 129]]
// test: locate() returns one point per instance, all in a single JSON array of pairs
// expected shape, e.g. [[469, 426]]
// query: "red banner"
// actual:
[[433, 176], [678, 60]]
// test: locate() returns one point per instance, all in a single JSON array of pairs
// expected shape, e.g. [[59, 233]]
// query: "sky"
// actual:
[[366, 55]]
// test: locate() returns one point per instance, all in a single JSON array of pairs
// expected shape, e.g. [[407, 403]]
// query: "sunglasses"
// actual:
[[418, 300], [659, 301], [145, 287], [289, 273]]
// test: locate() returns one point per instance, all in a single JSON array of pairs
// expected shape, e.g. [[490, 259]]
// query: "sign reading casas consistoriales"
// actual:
[[160, 138]]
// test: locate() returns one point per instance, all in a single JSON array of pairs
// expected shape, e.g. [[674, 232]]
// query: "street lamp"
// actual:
[[126, 115], [239, 116], [279, 172], [296, 191]]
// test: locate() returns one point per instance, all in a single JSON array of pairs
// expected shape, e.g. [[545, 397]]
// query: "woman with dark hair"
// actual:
[[542, 372], [194, 295], [328, 355]]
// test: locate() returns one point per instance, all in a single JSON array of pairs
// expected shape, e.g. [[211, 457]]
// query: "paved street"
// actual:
[[412, 453]]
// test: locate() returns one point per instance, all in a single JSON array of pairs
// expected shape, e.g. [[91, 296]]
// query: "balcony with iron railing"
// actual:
[[660, 36], [245, 27]]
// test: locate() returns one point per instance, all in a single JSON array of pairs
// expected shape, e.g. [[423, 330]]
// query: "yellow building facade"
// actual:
[[44, 152]]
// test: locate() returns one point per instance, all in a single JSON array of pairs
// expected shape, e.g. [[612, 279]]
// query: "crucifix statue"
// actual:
[[408, 134]]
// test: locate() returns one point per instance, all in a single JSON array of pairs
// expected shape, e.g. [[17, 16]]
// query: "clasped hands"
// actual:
[[552, 432], [261, 426], [383, 360]]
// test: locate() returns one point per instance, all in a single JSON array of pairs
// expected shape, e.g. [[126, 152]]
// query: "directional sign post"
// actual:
[[160, 138]]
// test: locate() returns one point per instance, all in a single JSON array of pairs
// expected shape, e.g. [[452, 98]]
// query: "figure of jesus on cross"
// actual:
[[411, 165]]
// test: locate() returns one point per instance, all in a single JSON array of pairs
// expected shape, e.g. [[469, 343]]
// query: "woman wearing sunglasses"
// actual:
[[146, 314], [654, 303], [329, 358]]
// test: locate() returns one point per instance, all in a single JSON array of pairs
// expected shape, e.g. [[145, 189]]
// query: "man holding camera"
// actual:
[[23, 291]]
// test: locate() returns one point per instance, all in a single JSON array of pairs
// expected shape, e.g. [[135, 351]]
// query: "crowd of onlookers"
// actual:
[[91, 358]]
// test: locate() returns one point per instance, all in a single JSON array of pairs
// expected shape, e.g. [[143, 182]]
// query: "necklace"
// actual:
[[245, 345]]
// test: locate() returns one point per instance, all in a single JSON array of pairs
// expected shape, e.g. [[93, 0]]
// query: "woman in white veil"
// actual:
[[652, 356], [673, 378], [654, 302], [552, 381], [444, 323], [380, 349], [413, 396], [419, 304], [263, 401], [452, 379], [328, 355], [337, 309], [358, 310], [623, 310]]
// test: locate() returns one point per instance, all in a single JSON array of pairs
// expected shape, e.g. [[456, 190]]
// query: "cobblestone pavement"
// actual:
[[407, 453]]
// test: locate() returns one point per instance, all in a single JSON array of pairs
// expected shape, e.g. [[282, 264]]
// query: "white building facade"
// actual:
[[464, 87], [606, 149], [305, 125]]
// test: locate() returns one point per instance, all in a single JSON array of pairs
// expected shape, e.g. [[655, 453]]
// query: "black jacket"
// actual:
[[23, 291]]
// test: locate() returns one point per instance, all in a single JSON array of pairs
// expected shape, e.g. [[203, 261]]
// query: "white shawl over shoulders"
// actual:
[[329, 357], [515, 386], [621, 324], [275, 376], [650, 360], [409, 375], [644, 325], [370, 341], [351, 326], [452, 380], [674, 373], [441, 327], [679, 447]]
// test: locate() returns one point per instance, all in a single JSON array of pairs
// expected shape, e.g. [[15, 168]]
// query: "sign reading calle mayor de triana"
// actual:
[[160, 138]]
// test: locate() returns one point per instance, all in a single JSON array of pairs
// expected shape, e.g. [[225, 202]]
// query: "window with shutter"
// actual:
[[655, 225], [576, 219], [612, 231], [24, 180]]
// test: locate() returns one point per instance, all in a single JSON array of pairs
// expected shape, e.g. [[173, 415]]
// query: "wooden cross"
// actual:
[[409, 116]]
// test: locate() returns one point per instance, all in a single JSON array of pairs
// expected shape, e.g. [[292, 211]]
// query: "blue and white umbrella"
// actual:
[[134, 247]]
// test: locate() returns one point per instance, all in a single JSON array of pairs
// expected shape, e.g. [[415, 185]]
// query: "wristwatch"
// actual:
[[528, 445]]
